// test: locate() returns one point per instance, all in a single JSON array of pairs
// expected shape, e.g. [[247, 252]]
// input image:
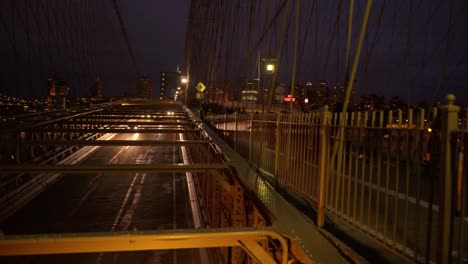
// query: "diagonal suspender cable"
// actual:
[[125, 34]]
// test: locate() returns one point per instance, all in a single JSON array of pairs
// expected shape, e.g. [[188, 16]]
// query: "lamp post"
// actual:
[[185, 80], [270, 70]]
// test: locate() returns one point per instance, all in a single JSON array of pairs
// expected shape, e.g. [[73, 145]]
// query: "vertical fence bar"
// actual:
[[342, 159], [461, 242], [362, 157], [311, 158], [332, 173], [288, 146], [262, 137], [323, 167], [298, 126], [449, 123], [235, 131], [303, 159], [354, 128], [277, 149], [348, 174], [379, 172], [387, 175], [293, 168], [397, 177], [371, 132], [420, 133], [251, 130], [335, 171], [407, 173]]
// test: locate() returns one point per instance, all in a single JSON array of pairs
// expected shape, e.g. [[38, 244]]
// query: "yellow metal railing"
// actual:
[[249, 241], [386, 173]]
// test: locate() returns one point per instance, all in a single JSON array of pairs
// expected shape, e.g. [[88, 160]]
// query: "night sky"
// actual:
[[82, 40], [418, 50]]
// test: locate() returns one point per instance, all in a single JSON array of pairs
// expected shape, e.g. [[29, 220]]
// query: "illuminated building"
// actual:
[[250, 90], [58, 93]]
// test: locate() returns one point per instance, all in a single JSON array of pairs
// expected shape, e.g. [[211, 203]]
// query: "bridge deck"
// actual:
[[289, 221]]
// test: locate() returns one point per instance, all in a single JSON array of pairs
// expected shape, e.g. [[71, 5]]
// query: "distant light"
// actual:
[[270, 67], [306, 100], [429, 130], [184, 80], [289, 98]]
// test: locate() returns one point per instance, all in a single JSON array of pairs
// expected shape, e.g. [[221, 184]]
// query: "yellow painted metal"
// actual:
[[380, 158], [278, 147], [221, 180], [251, 145], [355, 156], [407, 132], [350, 82], [253, 248], [349, 34], [371, 170], [323, 166], [112, 242], [296, 43], [387, 179], [362, 156], [238, 218], [379, 171], [114, 142], [115, 168], [449, 124], [75, 129]]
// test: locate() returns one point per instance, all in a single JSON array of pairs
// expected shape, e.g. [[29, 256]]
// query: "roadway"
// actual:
[[98, 203]]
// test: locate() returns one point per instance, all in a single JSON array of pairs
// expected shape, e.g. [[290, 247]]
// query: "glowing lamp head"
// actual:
[[270, 68], [184, 80]]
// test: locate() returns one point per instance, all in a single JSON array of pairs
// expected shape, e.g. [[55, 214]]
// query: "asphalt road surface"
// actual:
[[108, 202]]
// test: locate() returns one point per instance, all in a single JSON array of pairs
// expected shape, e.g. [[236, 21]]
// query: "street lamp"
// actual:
[[270, 70], [185, 80], [270, 66]]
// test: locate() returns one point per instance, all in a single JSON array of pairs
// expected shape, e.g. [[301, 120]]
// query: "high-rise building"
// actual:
[[96, 89], [169, 83], [145, 87], [250, 90], [58, 93]]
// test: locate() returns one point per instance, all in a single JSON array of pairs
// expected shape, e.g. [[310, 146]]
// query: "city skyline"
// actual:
[[412, 50]]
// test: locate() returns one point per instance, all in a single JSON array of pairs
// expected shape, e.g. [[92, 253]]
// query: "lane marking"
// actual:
[[197, 221]]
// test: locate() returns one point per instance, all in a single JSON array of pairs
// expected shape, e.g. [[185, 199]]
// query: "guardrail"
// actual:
[[383, 173]]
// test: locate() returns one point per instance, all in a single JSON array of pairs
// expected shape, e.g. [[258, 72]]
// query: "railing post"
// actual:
[[235, 131], [324, 144], [251, 138], [277, 150], [449, 122]]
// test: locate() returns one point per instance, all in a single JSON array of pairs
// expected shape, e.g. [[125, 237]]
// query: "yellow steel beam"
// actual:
[[112, 142], [115, 130], [114, 168], [126, 122], [111, 242], [253, 248]]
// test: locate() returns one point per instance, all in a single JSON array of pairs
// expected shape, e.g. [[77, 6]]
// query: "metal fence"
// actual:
[[383, 173]]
